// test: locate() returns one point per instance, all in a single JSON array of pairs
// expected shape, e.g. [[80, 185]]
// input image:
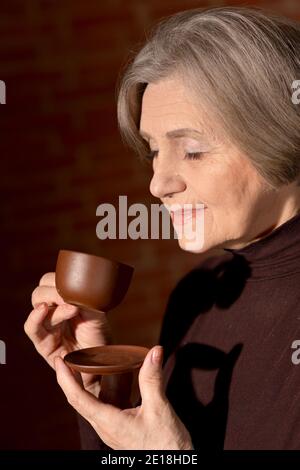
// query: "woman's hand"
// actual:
[[153, 425], [57, 328]]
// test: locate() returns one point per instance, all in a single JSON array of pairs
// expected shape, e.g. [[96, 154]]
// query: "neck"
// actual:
[[287, 204]]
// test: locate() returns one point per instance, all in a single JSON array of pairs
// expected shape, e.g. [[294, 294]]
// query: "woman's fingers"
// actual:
[[44, 317], [84, 402], [33, 326], [60, 314], [46, 294], [48, 279]]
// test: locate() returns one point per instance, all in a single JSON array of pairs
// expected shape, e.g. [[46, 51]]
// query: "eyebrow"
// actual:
[[177, 133]]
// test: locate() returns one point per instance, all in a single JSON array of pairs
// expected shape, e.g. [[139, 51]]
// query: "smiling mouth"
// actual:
[[182, 216]]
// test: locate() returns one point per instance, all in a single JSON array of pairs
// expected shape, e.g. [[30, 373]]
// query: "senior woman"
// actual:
[[208, 99]]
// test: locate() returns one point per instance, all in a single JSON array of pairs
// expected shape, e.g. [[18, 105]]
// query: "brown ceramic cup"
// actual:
[[91, 281]]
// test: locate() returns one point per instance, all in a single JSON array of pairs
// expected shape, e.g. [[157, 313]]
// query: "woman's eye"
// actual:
[[190, 155], [193, 155]]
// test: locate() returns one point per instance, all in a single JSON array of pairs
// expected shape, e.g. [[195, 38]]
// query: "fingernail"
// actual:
[[156, 356]]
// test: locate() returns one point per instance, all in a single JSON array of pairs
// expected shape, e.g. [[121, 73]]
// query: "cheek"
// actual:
[[217, 185], [232, 184]]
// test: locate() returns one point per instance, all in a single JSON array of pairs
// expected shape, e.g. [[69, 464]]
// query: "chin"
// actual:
[[191, 235], [193, 247]]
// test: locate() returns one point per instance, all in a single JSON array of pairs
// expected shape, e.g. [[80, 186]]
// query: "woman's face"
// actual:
[[239, 204]]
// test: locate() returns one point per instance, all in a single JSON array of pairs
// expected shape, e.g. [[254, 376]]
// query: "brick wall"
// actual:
[[61, 156]]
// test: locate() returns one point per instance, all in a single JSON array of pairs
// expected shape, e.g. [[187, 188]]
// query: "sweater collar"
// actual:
[[275, 255]]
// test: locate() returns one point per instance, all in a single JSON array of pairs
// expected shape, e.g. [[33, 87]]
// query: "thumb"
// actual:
[[150, 377]]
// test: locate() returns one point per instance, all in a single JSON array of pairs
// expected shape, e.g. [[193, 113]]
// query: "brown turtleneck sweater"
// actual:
[[227, 333]]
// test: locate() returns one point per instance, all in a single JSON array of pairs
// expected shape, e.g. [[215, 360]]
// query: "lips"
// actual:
[[182, 216]]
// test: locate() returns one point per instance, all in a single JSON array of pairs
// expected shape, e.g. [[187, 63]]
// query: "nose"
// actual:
[[165, 182]]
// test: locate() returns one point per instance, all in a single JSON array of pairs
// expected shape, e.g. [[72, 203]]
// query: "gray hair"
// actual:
[[240, 63]]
